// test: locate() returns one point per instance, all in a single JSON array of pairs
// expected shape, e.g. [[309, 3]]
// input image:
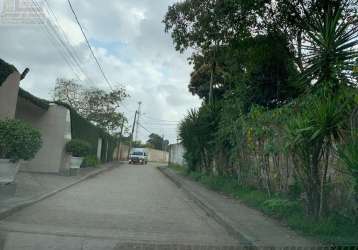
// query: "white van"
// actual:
[[138, 155]]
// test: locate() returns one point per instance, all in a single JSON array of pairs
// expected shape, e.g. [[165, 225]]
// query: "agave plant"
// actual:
[[348, 153], [331, 34], [311, 137]]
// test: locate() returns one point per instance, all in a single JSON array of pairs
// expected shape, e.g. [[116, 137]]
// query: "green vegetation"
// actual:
[[333, 229], [94, 104], [90, 161], [95, 114], [78, 148], [83, 129], [157, 142], [280, 100], [18, 140], [44, 104], [5, 70]]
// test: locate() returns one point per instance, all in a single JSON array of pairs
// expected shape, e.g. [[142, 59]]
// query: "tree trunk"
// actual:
[[316, 181], [299, 51], [323, 184], [267, 170]]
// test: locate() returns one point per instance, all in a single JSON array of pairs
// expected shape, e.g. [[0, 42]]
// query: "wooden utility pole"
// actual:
[[119, 152], [212, 74], [138, 117], [133, 127], [131, 139], [211, 84]]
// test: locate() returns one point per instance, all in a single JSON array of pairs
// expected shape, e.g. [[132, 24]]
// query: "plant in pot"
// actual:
[[18, 141], [78, 150]]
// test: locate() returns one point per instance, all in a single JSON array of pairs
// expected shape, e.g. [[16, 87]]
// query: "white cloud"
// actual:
[[129, 41]]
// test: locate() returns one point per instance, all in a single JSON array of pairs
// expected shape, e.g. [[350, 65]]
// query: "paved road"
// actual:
[[126, 208]]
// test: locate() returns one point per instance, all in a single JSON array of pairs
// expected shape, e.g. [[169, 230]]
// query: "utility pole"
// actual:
[[138, 117], [119, 152], [211, 84], [212, 74], [133, 127], [131, 139], [163, 143]]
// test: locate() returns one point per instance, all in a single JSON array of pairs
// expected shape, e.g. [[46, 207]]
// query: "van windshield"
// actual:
[[137, 153]]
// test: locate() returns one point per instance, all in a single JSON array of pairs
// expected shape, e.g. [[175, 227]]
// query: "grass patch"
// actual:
[[334, 229], [178, 168]]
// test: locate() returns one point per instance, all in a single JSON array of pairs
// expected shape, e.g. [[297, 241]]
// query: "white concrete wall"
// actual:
[[55, 130], [176, 154], [8, 96], [121, 152], [157, 155]]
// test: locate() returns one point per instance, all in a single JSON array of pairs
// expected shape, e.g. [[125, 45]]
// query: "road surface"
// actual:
[[130, 207]]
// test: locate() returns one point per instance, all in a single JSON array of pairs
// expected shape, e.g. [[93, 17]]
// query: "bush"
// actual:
[[282, 207], [18, 140], [178, 168], [78, 148], [90, 161]]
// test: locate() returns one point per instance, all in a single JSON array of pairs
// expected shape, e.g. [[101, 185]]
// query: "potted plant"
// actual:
[[78, 150], [18, 141]]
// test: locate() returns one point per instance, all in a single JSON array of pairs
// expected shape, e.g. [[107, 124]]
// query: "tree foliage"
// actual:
[[157, 142], [96, 105], [284, 86]]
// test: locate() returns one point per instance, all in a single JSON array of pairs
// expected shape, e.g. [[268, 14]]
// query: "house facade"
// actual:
[[58, 123]]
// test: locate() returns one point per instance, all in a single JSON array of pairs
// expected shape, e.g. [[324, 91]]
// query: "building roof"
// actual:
[[5, 70], [41, 103]]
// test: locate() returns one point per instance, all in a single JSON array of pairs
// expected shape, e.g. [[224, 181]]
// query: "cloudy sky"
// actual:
[[129, 40]]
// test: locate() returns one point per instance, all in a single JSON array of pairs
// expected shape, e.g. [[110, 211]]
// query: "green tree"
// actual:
[[158, 142], [299, 56], [197, 132], [204, 24], [96, 105]]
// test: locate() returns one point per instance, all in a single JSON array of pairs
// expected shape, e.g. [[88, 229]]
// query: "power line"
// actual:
[[151, 132], [72, 52], [52, 39], [160, 120], [55, 37], [145, 129], [90, 47], [161, 125]]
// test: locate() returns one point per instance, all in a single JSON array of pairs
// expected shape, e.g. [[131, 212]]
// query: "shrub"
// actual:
[[90, 161], [282, 207], [78, 148], [295, 190], [5, 70], [18, 140]]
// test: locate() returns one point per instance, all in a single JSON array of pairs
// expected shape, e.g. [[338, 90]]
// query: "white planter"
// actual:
[[8, 171], [76, 162]]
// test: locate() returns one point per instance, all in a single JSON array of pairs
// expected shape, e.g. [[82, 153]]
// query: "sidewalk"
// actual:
[[250, 226], [34, 187]]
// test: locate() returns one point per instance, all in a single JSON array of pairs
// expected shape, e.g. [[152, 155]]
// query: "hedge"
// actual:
[[44, 104], [5, 70], [83, 129]]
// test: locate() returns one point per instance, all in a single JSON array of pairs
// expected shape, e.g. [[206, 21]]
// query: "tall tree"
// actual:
[[263, 66], [94, 104], [158, 142]]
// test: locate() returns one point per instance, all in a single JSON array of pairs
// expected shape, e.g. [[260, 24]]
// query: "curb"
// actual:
[[9, 211], [208, 209]]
